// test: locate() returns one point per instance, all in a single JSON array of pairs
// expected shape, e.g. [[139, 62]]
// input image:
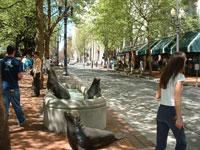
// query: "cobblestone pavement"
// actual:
[[134, 100]]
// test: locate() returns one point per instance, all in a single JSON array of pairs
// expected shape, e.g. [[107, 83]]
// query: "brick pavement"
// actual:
[[37, 137]]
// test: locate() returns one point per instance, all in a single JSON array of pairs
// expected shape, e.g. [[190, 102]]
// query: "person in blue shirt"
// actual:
[[28, 64], [11, 73]]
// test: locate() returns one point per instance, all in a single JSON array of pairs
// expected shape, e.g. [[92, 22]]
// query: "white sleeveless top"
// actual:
[[40, 66], [167, 95]]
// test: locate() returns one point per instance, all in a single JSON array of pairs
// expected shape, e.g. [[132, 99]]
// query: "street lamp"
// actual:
[[58, 40], [180, 15], [60, 4]]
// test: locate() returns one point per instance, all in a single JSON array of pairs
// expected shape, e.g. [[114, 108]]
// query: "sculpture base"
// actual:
[[92, 112]]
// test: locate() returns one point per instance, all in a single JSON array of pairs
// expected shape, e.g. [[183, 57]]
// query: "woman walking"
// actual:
[[169, 114]]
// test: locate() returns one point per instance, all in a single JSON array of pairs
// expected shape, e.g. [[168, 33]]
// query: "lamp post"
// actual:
[[60, 3], [58, 39], [179, 16]]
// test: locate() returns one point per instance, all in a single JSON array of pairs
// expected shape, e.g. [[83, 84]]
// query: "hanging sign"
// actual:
[[196, 67]]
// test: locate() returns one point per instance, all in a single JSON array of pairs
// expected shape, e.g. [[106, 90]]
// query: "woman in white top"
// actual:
[[169, 114]]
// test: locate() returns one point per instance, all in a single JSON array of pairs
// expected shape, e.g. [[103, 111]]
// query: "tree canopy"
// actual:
[[17, 23]]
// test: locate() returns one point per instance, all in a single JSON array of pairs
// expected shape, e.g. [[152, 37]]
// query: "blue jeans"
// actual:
[[165, 121], [13, 96]]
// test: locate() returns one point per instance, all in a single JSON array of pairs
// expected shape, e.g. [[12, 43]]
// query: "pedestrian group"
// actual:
[[12, 71]]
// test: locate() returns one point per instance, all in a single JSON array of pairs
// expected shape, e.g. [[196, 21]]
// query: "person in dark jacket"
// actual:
[[11, 73]]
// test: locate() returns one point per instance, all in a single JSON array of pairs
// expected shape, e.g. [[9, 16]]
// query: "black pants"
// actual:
[[36, 84]]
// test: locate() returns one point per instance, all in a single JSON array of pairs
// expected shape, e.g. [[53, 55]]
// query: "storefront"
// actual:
[[124, 59], [143, 51], [189, 44], [161, 50]]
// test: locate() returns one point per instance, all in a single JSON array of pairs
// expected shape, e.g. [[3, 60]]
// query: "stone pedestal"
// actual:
[[92, 111]]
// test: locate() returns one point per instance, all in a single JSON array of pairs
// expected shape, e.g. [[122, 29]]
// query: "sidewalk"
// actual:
[[36, 136]]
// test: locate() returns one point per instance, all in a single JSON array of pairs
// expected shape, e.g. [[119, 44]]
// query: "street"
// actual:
[[134, 100]]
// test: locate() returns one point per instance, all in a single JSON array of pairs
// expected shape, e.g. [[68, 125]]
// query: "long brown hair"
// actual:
[[176, 64]]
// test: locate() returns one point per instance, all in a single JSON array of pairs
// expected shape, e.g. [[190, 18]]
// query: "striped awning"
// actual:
[[160, 47], [144, 49], [125, 50], [189, 42]]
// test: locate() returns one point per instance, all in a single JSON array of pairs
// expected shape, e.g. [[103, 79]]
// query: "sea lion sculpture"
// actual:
[[54, 84], [86, 138], [94, 90]]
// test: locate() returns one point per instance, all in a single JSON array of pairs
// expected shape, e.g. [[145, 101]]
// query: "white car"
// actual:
[[72, 62]]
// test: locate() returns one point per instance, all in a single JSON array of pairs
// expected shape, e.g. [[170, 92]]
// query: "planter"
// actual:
[[136, 71], [127, 69], [145, 72]]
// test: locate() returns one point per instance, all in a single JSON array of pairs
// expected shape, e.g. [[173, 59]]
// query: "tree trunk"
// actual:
[[4, 130], [47, 42], [108, 57], [48, 36], [133, 59], [50, 28], [145, 61], [149, 50], [132, 53], [84, 57], [39, 38], [106, 52]]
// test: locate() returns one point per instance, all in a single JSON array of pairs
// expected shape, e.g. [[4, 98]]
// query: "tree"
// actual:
[[108, 25], [17, 27], [153, 16], [81, 39], [53, 18], [147, 12], [4, 130], [39, 38], [133, 27]]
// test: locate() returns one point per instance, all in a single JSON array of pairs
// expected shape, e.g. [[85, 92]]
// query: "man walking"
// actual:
[[36, 75], [11, 73]]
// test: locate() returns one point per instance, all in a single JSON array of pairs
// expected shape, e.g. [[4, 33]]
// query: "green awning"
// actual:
[[189, 42], [169, 46], [194, 46], [159, 48], [121, 51], [144, 49], [120, 54], [125, 49]]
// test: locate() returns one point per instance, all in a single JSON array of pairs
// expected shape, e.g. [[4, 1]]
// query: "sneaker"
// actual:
[[23, 124]]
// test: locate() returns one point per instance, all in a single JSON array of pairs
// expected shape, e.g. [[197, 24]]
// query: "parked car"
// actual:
[[72, 62]]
